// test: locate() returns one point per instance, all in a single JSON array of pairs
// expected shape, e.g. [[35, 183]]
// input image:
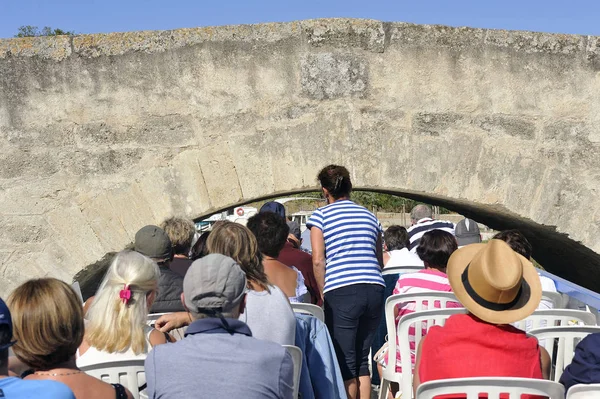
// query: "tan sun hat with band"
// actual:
[[494, 282]]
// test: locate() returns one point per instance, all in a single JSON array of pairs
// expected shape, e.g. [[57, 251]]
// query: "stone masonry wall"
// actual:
[[102, 134]]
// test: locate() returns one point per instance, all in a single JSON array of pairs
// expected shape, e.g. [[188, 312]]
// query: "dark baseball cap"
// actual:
[[273, 206], [153, 242], [5, 319]]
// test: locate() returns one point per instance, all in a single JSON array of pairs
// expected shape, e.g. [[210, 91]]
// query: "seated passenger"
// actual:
[[154, 243], [271, 232], [519, 243], [434, 250], [218, 358], [585, 366], [15, 388], [181, 232], [421, 219], [199, 249], [117, 327], [467, 232], [268, 312], [498, 287], [292, 255], [395, 245], [48, 329]]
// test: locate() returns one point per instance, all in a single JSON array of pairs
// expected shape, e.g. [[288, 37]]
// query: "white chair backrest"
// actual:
[[307, 308], [421, 320], [297, 359], [556, 317], [584, 391], [401, 269], [555, 297], [560, 342], [129, 373], [492, 386], [423, 301]]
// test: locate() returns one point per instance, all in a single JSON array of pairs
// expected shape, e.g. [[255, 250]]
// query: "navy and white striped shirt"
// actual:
[[415, 232], [350, 232]]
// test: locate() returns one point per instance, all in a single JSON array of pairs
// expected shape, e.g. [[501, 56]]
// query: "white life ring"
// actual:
[[240, 211]]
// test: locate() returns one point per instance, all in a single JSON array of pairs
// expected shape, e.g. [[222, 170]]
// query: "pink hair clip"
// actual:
[[125, 294]]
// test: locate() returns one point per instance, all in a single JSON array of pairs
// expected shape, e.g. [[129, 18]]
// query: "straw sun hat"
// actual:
[[494, 282]]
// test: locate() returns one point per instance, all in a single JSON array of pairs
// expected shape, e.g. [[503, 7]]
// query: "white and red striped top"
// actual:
[[425, 280]]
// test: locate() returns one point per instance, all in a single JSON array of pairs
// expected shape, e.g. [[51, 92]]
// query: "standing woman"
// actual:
[[347, 261]]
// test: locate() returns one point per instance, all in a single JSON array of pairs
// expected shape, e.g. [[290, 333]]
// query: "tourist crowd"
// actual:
[[225, 302]]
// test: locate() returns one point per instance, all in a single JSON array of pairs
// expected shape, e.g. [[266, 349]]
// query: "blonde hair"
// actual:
[[47, 322], [116, 325], [238, 242], [181, 232]]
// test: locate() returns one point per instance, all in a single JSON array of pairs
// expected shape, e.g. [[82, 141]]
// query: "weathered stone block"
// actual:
[[168, 130], [435, 124], [327, 76], [536, 42], [187, 189], [56, 48], [565, 131], [105, 222], [366, 34], [507, 124], [34, 163], [23, 229], [83, 162], [73, 234], [411, 35]]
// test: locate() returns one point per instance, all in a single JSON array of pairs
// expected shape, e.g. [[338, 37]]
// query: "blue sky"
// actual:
[[92, 16]]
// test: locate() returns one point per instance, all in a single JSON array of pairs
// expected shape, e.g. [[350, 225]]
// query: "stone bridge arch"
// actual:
[[102, 134]]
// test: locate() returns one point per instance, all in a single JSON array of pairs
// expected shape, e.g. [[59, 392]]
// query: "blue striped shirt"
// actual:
[[350, 232]]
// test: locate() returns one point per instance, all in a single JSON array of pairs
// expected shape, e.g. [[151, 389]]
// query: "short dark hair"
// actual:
[[396, 237], [336, 179], [435, 248], [199, 249], [271, 232], [517, 241], [5, 338]]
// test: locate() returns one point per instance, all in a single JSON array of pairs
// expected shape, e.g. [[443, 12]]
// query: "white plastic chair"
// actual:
[[422, 320], [297, 359], [568, 337], [307, 308], [584, 391], [423, 301], [555, 297], [401, 269], [129, 373], [492, 386], [556, 317]]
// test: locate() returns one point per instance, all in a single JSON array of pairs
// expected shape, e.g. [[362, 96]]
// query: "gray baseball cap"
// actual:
[[153, 242], [467, 232], [214, 282]]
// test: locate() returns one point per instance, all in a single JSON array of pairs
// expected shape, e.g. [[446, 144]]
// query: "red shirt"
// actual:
[[291, 256], [469, 347]]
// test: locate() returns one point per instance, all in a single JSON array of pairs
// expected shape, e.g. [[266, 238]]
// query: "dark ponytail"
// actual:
[[336, 179]]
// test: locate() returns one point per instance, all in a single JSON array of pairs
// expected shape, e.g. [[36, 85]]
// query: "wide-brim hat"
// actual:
[[494, 283]]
